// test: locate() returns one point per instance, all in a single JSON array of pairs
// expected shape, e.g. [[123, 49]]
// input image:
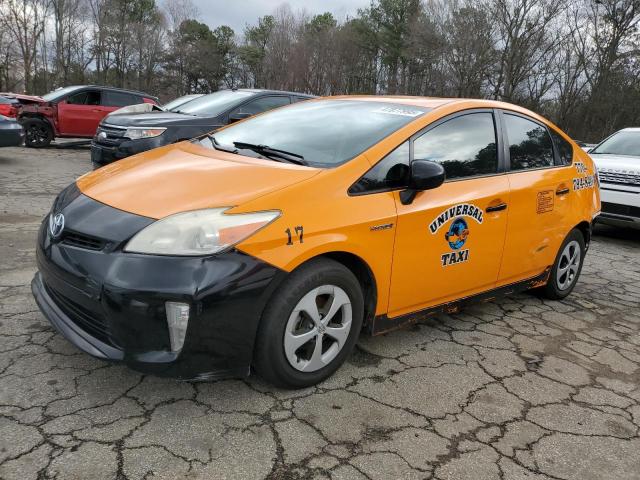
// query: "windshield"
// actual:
[[178, 102], [621, 143], [325, 133], [57, 94], [214, 104]]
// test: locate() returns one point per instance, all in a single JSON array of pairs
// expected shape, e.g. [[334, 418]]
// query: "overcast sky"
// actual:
[[238, 13]]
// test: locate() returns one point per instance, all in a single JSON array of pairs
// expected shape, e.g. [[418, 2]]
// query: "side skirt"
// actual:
[[383, 324]]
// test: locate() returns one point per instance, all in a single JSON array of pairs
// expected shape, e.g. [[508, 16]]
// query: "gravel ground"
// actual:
[[513, 389]]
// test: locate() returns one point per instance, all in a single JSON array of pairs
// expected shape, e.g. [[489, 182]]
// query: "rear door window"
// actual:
[[262, 104], [529, 143], [119, 99]]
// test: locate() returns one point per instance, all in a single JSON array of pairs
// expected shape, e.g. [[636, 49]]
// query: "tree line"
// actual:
[[575, 61]]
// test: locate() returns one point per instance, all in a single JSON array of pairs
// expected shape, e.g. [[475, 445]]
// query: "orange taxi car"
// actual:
[[276, 241]]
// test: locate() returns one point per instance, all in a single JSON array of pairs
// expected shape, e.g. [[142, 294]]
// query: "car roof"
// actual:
[[435, 102], [115, 89], [280, 92], [431, 102], [630, 129]]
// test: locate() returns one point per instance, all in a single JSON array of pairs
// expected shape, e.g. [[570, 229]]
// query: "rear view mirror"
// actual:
[[425, 175], [236, 116]]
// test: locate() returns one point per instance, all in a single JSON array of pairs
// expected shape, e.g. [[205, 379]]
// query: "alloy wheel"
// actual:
[[318, 328], [37, 134], [568, 265]]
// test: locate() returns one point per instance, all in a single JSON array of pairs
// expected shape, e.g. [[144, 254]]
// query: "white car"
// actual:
[[618, 161]]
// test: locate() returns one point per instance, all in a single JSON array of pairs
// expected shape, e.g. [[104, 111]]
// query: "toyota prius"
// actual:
[[272, 244]]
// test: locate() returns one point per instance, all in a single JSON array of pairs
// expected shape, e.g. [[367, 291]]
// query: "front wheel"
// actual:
[[567, 267], [38, 133], [310, 325]]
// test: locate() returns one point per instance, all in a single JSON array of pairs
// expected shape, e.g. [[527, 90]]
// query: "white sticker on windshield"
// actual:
[[399, 111]]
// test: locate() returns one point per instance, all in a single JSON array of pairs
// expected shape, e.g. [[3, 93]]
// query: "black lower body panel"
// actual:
[[383, 324], [111, 304]]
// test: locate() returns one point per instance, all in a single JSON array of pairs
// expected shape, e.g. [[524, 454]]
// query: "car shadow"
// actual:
[[617, 233], [82, 144]]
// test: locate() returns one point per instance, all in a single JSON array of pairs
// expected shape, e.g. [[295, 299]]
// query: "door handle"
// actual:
[[496, 208], [562, 191]]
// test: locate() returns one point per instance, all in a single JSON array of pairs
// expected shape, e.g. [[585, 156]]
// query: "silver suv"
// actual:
[[618, 161]]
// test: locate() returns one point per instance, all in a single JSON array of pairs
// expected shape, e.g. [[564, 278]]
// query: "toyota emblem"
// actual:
[[102, 135], [56, 225]]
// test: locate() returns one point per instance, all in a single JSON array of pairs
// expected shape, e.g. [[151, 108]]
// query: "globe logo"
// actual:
[[457, 234]]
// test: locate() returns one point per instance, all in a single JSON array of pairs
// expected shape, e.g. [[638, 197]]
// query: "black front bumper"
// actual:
[[111, 304], [103, 153]]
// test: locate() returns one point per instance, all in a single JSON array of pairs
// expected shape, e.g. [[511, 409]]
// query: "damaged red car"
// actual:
[[73, 112]]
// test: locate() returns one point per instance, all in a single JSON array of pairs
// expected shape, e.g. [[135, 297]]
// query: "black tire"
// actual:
[[37, 133], [270, 360], [552, 290]]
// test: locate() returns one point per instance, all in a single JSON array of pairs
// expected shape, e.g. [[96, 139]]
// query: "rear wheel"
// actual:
[[567, 267], [38, 133], [310, 325]]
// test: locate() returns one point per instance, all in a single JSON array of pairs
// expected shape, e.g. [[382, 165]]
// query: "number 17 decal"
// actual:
[[299, 231]]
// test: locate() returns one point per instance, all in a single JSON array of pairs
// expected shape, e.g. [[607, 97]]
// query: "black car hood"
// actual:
[[160, 119]]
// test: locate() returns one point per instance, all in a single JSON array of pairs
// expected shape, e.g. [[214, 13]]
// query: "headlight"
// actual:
[[134, 133], [199, 232]]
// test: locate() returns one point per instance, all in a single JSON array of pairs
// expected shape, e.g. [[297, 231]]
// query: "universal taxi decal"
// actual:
[[586, 181], [458, 232], [463, 209]]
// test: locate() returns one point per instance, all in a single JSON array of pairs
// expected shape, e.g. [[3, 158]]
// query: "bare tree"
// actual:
[[25, 20]]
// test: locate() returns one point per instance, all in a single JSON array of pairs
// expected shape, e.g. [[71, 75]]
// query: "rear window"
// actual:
[[325, 132]]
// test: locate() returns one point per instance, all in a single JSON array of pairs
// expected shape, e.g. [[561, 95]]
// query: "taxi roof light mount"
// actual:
[[425, 175]]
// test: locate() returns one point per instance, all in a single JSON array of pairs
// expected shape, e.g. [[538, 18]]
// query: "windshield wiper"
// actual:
[[218, 146], [274, 153]]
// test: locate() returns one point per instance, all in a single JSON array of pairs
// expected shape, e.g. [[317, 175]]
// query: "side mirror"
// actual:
[[237, 116], [425, 175]]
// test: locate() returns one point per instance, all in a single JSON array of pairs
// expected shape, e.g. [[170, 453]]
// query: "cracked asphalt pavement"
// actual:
[[518, 388]]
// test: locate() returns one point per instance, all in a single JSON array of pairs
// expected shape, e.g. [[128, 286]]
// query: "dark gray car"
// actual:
[[120, 136], [11, 132]]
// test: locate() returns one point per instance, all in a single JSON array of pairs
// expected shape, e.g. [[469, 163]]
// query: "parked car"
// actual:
[[11, 103], [74, 112], [11, 132], [275, 241], [9, 106], [125, 135], [618, 161], [585, 146]]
